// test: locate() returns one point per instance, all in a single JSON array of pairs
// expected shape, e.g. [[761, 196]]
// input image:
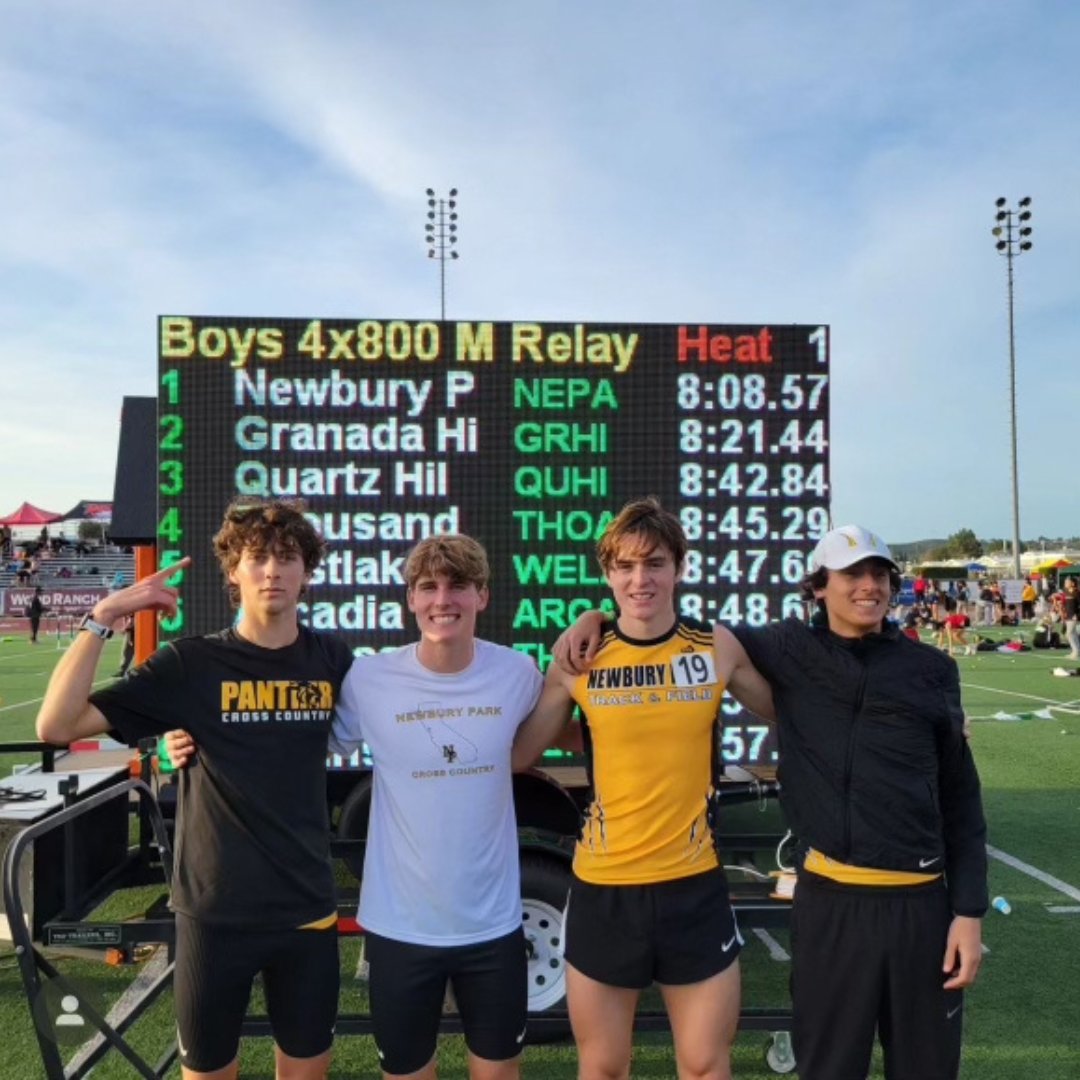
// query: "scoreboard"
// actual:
[[528, 436]]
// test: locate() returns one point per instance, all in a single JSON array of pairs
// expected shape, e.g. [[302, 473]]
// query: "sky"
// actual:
[[711, 161]]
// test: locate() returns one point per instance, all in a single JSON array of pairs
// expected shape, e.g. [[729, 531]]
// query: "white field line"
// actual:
[[1063, 909], [1064, 887], [1013, 693], [776, 950], [39, 700], [21, 704]]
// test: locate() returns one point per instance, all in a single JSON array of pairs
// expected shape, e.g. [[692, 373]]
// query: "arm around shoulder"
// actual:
[[744, 682], [346, 731], [543, 725]]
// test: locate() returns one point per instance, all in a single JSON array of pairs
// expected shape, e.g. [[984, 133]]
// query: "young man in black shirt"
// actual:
[[253, 889]]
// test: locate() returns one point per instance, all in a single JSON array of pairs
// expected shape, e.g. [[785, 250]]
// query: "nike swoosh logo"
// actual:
[[521, 1038], [180, 1044], [924, 863], [728, 944], [952, 1012]]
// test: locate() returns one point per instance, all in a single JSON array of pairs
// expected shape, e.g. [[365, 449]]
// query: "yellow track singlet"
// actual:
[[650, 724]]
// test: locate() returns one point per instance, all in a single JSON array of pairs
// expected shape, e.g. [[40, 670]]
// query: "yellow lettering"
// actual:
[[177, 337], [526, 338], [476, 343]]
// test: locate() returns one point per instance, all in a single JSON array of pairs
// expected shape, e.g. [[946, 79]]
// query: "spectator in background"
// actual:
[[34, 610], [939, 611], [986, 605], [999, 602], [1072, 617], [1046, 636], [955, 634], [962, 598], [919, 587], [1027, 600], [129, 646]]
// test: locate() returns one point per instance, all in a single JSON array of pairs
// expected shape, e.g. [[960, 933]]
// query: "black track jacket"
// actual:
[[874, 768]]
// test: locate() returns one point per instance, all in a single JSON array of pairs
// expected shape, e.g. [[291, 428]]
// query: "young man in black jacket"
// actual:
[[881, 791]]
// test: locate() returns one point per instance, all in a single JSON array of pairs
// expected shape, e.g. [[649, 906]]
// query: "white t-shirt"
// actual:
[[441, 866]]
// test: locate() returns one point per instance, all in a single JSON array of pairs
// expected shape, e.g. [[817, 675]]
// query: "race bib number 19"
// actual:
[[693, 669]]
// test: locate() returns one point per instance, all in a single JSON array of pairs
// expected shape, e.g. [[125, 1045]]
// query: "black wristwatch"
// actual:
[[87, 622]]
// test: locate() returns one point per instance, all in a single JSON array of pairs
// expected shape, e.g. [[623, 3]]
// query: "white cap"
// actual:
[[847, 545]]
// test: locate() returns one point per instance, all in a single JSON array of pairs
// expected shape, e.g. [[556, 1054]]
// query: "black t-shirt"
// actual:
[[253, 836]]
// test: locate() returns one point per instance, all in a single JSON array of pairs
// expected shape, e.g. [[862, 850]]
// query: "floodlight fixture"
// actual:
[[441, 236], [1012, 243]]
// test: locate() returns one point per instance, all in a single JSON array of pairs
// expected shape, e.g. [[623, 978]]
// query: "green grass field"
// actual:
[[1023, 1017]]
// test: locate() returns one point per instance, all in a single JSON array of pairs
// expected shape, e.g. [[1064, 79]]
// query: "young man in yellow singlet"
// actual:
[[648, 901]]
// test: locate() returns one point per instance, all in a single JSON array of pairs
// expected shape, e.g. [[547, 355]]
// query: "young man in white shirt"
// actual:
[[447, 720]]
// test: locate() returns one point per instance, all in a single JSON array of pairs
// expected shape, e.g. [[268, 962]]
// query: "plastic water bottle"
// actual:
[[999, 903]]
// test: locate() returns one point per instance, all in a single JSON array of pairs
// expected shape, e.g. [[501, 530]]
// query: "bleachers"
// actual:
[[96, 568]]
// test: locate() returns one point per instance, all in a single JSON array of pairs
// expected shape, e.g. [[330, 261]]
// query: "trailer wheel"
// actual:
[[779, 1055], [545, 883], [353, 821]]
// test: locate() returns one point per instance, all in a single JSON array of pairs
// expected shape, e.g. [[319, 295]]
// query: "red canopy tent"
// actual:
[[30, 515]]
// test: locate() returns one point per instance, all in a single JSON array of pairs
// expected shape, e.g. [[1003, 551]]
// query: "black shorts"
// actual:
[[407, 985], [672, 932], [215, 967]]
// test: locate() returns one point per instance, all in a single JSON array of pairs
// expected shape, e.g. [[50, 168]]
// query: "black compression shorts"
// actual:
[[408, 984], [215, 967]]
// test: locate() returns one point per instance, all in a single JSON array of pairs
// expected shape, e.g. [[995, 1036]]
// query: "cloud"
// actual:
[[711, 163]]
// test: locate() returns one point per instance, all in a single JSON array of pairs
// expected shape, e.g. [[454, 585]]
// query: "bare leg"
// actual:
[[704, 1017], [484, 1069], [291, 1068], [602, 1018]]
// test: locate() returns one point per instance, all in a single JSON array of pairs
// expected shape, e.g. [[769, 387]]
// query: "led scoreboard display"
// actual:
[[528, 436]]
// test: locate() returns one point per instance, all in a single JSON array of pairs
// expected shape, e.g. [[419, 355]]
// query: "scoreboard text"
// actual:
[[528, 436]]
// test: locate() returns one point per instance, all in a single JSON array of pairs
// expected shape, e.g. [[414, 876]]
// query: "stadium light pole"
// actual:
[[441, 236], [1013, 238]]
